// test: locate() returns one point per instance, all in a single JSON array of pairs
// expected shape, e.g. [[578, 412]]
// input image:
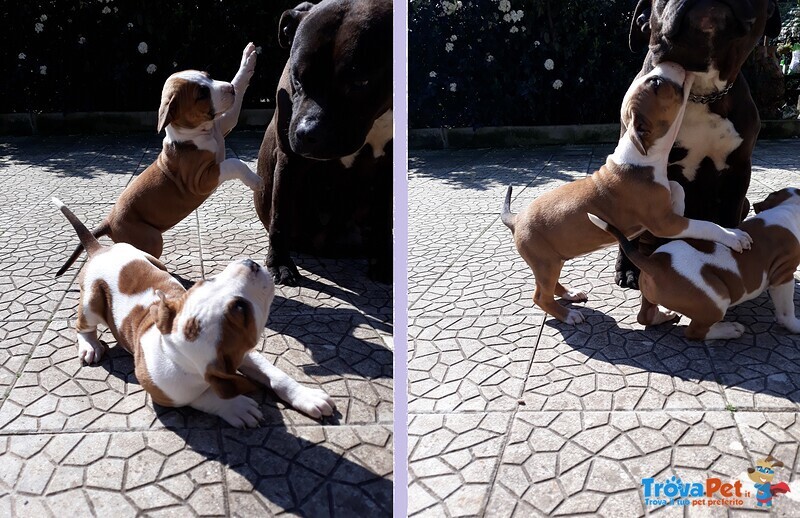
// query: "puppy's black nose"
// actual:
[[307, 134], [254, 267]]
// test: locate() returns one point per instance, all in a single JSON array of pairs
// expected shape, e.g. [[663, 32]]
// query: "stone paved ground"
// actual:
[[513, 413], [77, 441]]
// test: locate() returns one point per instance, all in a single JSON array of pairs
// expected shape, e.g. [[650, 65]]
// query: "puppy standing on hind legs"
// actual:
[[631, 190], [190, 348], [196, 112]]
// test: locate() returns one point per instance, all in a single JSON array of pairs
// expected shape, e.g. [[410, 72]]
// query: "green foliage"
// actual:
[[91, 57], [488, 62]]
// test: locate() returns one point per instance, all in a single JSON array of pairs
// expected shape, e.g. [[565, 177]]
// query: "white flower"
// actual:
[[505, 6], [557, 84], [130, 25], [39, 27], [489, 58], [432, 74], [174, 64], [22, 55], [524, 28], [513, 29], [448, 47], [580, 80], [116, 9], [516, 15], [43, 70], [549, 65], [453, 37], [142, 48], [106, 10], [258, 49], [450, 7], [151, 68], [43, 17], [536, 43], [452, 87], [81, 40], [506, 17]]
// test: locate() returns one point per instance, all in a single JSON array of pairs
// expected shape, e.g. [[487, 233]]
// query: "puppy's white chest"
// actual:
[[705, 134], [382, 132]]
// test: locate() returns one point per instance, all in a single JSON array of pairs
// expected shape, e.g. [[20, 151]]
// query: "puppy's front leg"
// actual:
[[240, 411], [240, 82], [313, 402], [783, 299], [235, 169]]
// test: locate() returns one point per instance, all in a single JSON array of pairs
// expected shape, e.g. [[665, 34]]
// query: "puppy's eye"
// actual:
[[203, 93], [240, 306]]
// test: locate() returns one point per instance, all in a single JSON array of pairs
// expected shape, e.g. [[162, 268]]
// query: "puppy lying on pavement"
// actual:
[[187, 345], [631, 191], [702, 280], [197, 113]]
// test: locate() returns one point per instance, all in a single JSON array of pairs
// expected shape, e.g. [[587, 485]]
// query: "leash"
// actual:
[[710, 98]]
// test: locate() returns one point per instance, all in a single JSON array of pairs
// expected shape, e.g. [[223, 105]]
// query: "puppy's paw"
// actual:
[[627, 279], [89, 351], [254, 182], [573, 317], [313, 402], [791, 324], [248, 64], [738, 240], [241, 412], [575, 296], [725, 331]]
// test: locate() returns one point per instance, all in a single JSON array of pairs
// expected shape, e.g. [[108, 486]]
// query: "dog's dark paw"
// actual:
[[285, 274], [627, 279]]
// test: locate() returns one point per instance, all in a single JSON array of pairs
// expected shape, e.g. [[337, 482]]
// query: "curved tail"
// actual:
[[631, 250], [506, 215], [88, 239]]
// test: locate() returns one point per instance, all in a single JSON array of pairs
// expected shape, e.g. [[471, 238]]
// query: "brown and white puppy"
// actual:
[[701, 279], [191, 348], [631, 191], [196, 112]]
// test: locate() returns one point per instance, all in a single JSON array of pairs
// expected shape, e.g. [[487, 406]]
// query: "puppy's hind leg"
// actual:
[[651, 315], [783, 298], [90, 348], [546, 274]]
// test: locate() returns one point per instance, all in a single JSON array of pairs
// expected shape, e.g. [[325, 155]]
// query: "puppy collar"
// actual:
[[710, 98]]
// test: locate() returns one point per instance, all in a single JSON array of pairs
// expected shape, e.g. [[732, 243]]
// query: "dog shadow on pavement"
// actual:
[[763, 362]]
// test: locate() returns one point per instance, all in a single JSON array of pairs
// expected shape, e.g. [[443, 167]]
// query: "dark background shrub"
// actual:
[[493, 71], [90, 49]]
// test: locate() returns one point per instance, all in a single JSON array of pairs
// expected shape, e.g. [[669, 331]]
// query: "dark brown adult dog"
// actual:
[[326, 157], [711, 156]]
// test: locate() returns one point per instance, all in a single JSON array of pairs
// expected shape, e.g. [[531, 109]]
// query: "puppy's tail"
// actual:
[[88, 239], [630, 249], [506, 215]]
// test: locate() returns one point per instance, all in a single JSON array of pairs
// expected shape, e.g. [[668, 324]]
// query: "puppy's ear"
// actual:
[[166, 112], [639, 35], [164, 312], [290, 20], [639, 132], [773, 27], [225, 381]]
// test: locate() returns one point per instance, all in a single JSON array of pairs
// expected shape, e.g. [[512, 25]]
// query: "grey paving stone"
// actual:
[[469, 364], [452, 462]]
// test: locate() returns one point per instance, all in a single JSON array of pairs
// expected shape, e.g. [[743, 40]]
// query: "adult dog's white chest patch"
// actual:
[[382, 132], [705, 134]]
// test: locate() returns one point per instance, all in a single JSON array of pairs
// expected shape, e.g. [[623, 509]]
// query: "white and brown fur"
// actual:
[[191, 348], [701, 279], [196, 112], [631, 190]]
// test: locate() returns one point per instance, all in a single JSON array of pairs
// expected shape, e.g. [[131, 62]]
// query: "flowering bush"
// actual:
[[518, 62], [110, 55]]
